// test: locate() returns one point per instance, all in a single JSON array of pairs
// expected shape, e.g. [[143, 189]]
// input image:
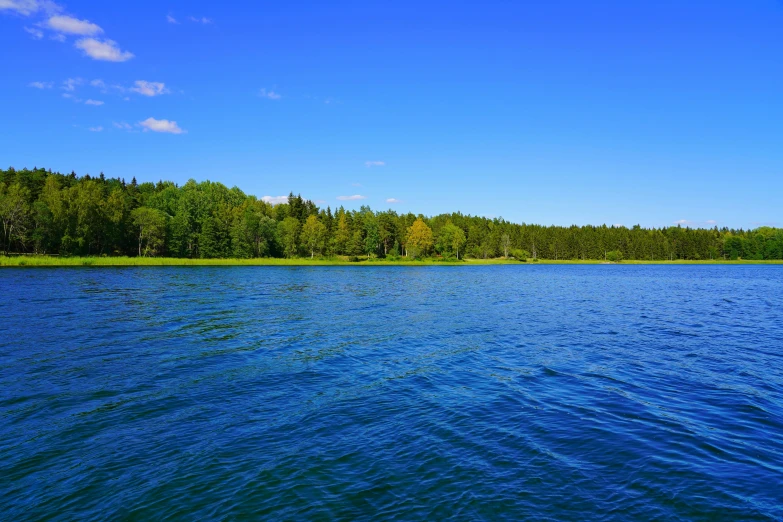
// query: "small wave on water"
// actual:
[[506, 392]]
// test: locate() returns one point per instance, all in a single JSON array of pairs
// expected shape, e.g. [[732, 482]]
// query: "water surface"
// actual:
[[494, 392]]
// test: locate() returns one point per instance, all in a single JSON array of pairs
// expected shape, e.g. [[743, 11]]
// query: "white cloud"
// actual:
[[28, 7], [154, 125], [203, 20], [393, 200], [37, 34], [369, 164], [275, 200], [170, 19], [98, 83], [691, 223], [41, 85], [93, 102], [70, 25], [122, 125], [96, 129], [149, 88], [355, 197], [105, 50], [57, 37], [270, 95], [71, 83]]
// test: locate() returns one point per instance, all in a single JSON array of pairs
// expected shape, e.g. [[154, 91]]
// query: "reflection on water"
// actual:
[[379, 392]]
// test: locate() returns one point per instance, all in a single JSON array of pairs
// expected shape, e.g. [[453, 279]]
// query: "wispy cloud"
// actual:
[[70, 25], [122, 125], [37, 34], [98, 83], [269, 94], [41, 85], [106, 50], [149, 88], [71, 83], [393, 200], [167, 126], [275, 200], [170, 19], [370, 164], [28, 7], [93, 102], [200, 20], [355, 197], [96, 129], [58, 24]]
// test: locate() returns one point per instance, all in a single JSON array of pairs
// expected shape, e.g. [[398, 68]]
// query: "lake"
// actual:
[[605, 392]]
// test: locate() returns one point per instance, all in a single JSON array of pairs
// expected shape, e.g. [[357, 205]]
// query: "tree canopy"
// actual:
[[46, 212]]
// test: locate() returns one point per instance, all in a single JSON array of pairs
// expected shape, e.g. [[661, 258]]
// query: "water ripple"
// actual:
[[508, 392]]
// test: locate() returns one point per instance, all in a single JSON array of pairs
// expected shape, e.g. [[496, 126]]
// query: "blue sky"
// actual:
[[553, 112]]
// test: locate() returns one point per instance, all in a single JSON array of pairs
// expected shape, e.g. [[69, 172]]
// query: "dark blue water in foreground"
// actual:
[[505, 392]]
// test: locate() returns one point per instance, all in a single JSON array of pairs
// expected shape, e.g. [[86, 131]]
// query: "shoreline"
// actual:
[[51, 261]]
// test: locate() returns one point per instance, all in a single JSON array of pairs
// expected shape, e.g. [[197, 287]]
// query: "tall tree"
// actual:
[[313, 235], [419, 238], [289, 235], [151, 225], [14, 213]]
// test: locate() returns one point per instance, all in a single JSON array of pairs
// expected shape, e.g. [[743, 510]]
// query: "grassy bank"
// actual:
[[335, 261]]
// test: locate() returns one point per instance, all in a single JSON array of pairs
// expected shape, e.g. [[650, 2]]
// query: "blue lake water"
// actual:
[[495, 392]]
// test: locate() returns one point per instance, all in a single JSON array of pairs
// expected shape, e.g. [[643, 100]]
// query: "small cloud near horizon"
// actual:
[[167, 126], [275, 200], [691, 223], [393, 200], [370, 164], [355, 197]]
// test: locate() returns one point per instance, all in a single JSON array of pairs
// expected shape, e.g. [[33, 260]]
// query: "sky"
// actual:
[[551, 111]]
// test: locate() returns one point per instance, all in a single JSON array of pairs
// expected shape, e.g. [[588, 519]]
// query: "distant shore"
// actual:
[[54, 261]]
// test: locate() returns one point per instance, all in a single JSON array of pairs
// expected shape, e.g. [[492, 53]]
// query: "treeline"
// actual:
[[51, 213]]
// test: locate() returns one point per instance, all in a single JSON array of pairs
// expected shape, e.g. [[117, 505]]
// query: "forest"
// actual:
[[50, 213]]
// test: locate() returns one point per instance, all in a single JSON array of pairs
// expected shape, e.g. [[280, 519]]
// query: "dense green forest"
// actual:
[[51, 213]]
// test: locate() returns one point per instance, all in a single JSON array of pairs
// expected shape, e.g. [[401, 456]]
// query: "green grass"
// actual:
[[333, 261]]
